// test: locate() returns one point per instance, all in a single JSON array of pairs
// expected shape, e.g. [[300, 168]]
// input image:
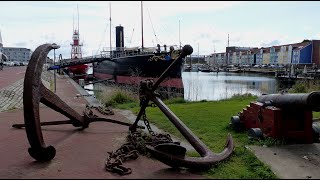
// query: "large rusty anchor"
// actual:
[[35, 92], [173, 154]]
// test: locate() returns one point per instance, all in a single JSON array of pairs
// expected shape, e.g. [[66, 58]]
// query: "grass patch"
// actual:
[[176, 100], [210, 122], [118, 97]]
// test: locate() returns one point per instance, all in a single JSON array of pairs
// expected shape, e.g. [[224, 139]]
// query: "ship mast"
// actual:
[[76, 46], [179, 36], [142, 25], [110, 27]]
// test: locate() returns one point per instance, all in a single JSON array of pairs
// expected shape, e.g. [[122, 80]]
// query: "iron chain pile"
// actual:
[[136, 144]]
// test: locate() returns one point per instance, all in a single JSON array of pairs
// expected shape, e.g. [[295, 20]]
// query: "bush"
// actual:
[[119, 98], [305, 86], [241, 96]]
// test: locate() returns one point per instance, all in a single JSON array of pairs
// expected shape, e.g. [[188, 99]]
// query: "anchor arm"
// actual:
[[207, 159], [54, 102]]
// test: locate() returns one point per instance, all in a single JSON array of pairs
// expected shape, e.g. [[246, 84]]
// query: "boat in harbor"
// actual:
[[128, 66]]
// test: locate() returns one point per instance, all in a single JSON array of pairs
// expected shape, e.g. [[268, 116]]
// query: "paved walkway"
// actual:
[[11, 97], [80, 154]]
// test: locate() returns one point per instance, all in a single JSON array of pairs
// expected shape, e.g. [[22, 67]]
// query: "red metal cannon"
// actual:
[[281, 116]]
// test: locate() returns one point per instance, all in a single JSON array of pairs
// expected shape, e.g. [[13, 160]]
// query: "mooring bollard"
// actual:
[[81, 83]]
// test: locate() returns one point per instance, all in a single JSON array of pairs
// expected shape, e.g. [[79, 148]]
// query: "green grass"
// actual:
[[210, 122]]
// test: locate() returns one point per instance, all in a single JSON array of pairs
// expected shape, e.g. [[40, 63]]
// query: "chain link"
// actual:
[[136, 144], [146, 122], [103, 110]]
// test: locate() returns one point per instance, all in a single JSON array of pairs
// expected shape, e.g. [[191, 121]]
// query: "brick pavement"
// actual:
[[11, 96]]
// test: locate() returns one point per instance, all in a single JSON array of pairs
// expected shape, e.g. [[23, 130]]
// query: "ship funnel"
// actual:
[[119, 38]]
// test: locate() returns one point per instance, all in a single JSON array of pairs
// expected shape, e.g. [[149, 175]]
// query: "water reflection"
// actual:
[[223, 85]]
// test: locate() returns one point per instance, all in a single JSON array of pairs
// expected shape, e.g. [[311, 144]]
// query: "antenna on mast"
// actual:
[[110, 26], [142, 25], [78, 28], [228, 39], [73, 23]]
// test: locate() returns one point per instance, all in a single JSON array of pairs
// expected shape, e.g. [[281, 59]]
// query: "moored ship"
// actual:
[[128, 66]]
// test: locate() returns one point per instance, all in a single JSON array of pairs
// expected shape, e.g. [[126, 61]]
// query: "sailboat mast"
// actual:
[[142, 25]]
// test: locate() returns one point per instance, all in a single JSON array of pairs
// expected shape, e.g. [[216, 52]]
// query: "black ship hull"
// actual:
[[130, 70]]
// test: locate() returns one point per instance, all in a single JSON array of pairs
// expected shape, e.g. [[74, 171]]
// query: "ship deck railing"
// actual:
[[136, 51], [120, 54]]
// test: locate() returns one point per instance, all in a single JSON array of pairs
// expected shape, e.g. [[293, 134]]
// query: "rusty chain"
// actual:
[[103, 110], [136, 144]]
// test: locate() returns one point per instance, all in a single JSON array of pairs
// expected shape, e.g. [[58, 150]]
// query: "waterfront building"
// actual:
[[221, 57], [233, 57], [305, 53], [302, 54], [274, 54], [316, 52], [253, 58], [248, 56], [284, 55], [266, 56], [3, 57], [17, 54], [14, 53]]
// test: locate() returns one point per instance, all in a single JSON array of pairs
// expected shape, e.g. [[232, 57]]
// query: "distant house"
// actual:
[[266, 56], [259, 56], [274, 54], [284, 55], [302, 54], [305, 52], [254, 52]]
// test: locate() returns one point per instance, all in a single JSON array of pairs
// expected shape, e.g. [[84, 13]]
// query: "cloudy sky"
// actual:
[[203, 24]]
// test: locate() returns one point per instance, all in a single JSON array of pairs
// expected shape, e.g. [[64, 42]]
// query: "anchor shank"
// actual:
[[199, 146], [133, 127]]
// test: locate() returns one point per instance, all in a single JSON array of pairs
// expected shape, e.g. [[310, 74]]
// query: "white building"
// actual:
[[14, 53], [17, 54]]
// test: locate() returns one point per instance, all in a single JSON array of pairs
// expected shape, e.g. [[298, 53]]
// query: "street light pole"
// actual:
[[55, 46], [54, 71]]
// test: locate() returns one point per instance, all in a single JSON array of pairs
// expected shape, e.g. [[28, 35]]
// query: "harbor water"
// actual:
[[223, 85]]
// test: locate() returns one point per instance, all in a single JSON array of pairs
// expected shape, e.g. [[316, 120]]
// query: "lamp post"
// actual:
[[54, 46]]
